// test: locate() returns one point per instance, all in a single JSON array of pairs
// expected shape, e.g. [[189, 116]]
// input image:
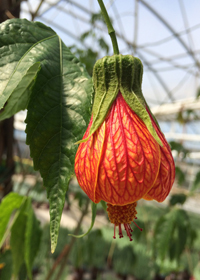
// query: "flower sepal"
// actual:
[[114, 74]]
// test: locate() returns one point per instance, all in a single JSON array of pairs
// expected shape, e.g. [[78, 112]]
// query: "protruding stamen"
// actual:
[[114, 232], [120, 231], [124, 214], [126, 226], [138, 226], [129, 227]]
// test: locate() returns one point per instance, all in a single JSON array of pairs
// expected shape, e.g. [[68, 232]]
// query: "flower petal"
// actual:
[[166, 174], [131, 157], [87, 161]]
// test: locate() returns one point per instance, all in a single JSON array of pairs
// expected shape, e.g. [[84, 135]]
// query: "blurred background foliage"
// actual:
[[169, 245]]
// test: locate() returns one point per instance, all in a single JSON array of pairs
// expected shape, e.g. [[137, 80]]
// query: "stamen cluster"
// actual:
[[119, 215]]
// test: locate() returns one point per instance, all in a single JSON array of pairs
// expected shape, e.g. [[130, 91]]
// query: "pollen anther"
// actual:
[[121, 214]]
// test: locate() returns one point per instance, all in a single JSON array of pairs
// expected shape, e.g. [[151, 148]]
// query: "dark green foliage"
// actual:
[[11, 202], [177, 199], [129, 258], [172, 232], [21, 92], [180, 175], [24, 229], [32, 238], [17, 240], [78, 253], [144, 267], [6, 259], [92, 254], [97, 250]]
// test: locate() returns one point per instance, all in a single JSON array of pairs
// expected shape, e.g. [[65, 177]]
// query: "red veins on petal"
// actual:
[[166, 174], [130, 158], [121, 162], [87, 161]]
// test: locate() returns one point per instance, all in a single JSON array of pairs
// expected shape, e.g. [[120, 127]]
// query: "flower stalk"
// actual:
[[111, 30]]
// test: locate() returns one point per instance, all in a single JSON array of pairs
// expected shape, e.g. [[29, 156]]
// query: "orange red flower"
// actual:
[[121, 163]]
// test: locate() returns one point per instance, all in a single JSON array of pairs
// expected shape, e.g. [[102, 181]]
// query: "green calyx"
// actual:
[[114, 74]]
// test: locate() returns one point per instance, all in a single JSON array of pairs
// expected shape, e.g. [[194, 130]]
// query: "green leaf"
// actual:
[[181, 234], [124, 260], [171, 234], [17, 240], [10, 203], [17, 36], [163, 234], [25, 239], [32, 238], [56, 119], [59, 107], [19, 98], [94, 211]]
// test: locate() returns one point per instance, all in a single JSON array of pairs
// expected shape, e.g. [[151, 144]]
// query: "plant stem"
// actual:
[[111, 30], [65, 252]]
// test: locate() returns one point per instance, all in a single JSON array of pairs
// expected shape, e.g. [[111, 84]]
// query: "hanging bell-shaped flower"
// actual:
[[123, 156]]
